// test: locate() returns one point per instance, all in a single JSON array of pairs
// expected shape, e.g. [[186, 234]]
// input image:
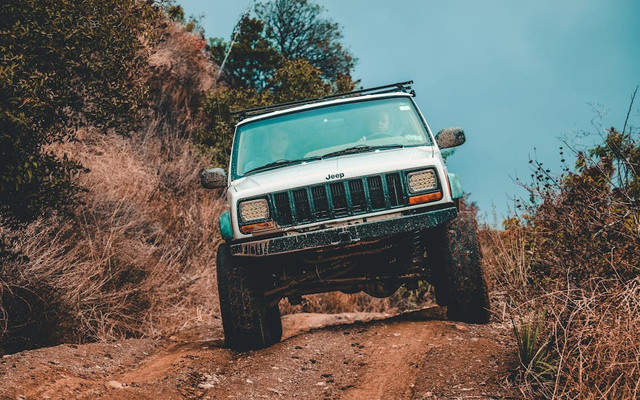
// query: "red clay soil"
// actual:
[[416, 355]]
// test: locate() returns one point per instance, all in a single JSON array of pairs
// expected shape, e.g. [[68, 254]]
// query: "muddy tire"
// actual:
[[456, 269], [248, 321]]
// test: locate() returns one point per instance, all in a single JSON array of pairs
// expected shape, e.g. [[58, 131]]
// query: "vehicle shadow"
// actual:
[[297, 324], [211, 335]]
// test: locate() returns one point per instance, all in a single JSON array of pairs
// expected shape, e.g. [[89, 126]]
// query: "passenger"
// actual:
[[381, 125], [378, 127]]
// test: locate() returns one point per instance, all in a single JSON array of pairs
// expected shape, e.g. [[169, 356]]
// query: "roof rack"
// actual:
[[394, 87]]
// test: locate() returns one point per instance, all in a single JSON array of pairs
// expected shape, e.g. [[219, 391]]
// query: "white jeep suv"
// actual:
[[348, 192]]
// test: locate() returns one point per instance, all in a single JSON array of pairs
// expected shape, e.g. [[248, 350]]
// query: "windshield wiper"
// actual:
[[282, 163], [361, 148]]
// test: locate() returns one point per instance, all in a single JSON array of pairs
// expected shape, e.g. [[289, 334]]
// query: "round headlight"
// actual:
[[422, 180], [254, 210]]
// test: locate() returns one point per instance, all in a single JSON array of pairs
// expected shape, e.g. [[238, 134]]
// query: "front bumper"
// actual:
[[349, 234]]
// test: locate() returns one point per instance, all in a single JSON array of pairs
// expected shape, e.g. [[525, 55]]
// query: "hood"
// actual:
[[336, 168]]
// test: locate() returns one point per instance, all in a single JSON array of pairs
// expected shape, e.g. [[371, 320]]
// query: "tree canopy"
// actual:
[[252, 60], [283, 31], [65, 63], [297, 30]]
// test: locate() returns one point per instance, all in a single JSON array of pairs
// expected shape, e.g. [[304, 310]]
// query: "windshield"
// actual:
[[331, 131]]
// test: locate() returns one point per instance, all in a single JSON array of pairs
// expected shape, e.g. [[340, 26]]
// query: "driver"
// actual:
[[278, 145], [381, 125]]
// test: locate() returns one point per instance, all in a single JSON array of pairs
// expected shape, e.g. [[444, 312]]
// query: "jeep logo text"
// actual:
[[336, 176]]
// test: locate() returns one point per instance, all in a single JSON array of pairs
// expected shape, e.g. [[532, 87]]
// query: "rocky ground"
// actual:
[[415, 355]]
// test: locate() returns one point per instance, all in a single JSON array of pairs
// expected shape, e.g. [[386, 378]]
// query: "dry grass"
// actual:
[[587, 334], [137, 257], [180, 74], [597, 338]]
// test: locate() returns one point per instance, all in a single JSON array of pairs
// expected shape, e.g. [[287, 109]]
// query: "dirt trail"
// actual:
[[416, 355]]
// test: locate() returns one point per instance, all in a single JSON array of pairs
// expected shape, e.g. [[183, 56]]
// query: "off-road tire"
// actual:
[[248, 321], [456, 269]]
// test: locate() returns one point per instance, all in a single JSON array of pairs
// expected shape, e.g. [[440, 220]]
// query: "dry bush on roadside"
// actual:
[[180, 73], [572, 255], [137, 256], [597, 338], [506, 256], [590, 333]]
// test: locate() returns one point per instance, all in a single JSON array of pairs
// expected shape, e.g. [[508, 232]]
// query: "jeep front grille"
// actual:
[[358, 199], [339, 199]]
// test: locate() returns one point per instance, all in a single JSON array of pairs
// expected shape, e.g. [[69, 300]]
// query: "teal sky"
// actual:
[[517, 76]]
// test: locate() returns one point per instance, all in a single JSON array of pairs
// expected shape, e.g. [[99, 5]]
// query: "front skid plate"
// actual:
[[333, 237]]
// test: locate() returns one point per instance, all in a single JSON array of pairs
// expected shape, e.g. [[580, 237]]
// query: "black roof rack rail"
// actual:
[[394, 87]]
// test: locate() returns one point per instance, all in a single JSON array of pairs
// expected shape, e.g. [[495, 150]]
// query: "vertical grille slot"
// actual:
[[375, 192], [358, 199], [320, 204], [394, 185], [283, 208], [339, 199], [301, 204]]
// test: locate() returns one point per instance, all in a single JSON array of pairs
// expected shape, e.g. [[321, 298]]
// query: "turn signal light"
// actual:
[[425, 198], [261, 226]]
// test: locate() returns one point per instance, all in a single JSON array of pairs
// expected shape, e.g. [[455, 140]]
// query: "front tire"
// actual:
[[247, 319], [456, 269]]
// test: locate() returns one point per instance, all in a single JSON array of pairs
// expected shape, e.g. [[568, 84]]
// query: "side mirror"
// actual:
[[450, 137], [213, 178]]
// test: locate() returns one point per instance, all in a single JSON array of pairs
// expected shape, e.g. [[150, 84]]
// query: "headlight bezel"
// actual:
[[434, 188]]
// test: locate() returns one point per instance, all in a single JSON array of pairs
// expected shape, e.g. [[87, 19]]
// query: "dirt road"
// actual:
[[416, 355]]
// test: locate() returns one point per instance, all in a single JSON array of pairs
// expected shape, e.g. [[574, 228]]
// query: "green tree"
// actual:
[[298, 30], [219, 105], [252, 60], [297, 79], [65, 64]]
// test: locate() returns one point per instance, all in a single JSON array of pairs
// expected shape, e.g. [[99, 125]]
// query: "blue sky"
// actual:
[[517, 76]]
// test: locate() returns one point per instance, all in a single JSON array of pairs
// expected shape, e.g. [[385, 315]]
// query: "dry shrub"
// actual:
[[589, 334], [572, 256], [597, 338], [136, 258], [179, 74], [585, 228]]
